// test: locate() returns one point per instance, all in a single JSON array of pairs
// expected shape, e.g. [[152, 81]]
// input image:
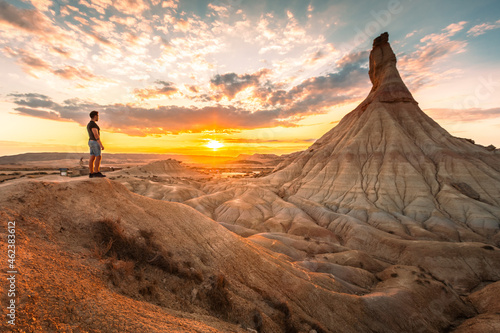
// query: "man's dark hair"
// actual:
[[93, 114]]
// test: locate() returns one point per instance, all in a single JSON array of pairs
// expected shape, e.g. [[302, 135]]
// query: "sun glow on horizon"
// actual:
[[214, 144]]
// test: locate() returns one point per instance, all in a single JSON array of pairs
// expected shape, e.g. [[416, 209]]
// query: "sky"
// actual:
[[173, 76]]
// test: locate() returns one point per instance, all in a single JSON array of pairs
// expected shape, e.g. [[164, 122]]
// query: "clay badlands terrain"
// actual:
[[387, 223]]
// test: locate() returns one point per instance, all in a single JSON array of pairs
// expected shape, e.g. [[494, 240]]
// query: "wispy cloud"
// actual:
[[231, 83], [162, 89], [36, 66], [465, 115], [131, 7], [418, 66], [480, 29], [260, 141], [29, 62], [26, 19]]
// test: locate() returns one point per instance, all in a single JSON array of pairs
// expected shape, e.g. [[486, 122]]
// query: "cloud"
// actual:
[[42, 5], [99, 5], [231, 84], [314, 94], [182, 25], [245, 140], [98, 38], [138, 121], [219, 10], [464, 115], [42, 106], [50, 115], [30, 63], [25, 19], [480, 29], [70, 73], [164, 89], [33, 100], [34, 66], [408, 35], [274, 37], [61, 52], [131, 7], [169, 3], [418, 67]]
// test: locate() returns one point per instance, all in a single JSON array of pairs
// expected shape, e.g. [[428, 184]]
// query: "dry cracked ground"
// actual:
[[387, 223]]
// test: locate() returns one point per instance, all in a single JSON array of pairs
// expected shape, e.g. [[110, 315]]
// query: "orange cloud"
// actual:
[[465, 115], [418, 67], [70, 73], [137, 121], [29, 20], [231, 84], [480, 29], [130, 6], [33, 65], [165, 89]]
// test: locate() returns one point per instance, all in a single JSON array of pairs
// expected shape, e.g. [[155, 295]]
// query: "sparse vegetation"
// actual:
[[257, 320], [113, 242], [288, 324], [138, 267], [318, 328], [218, 296]]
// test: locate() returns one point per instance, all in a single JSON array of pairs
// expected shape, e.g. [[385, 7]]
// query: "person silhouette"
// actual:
[[95, 146]]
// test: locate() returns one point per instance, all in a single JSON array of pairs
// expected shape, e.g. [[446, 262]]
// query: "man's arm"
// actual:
[[96, 136]]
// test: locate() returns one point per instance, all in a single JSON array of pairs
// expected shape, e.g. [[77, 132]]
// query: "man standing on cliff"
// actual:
[[95, 145]]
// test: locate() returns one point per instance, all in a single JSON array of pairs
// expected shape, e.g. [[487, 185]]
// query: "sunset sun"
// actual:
[[214, 144]]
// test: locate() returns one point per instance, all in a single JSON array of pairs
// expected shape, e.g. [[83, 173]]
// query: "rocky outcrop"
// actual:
[[391, 166], [387, 84]]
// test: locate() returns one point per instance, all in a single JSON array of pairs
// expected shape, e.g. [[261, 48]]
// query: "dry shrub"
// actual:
[[119, 270], [258, 321], [113, 242], [218, 296], [288, 323]]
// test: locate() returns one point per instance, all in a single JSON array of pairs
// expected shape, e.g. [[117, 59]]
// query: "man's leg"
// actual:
[[97, 163], [91, 163]]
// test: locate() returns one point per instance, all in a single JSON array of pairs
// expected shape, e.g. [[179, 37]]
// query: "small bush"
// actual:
[[285, 309], [219, 296], [113, 242], [119, 270], [257, 320]]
